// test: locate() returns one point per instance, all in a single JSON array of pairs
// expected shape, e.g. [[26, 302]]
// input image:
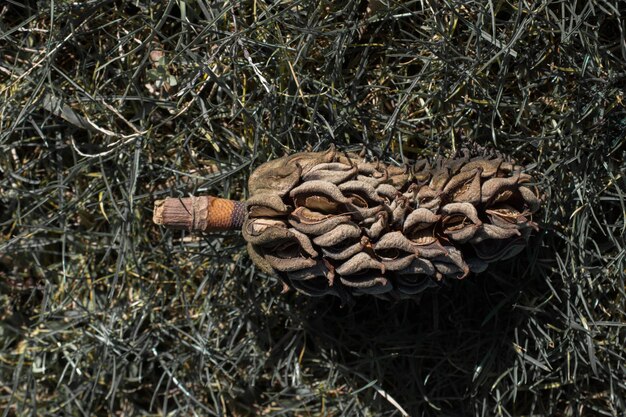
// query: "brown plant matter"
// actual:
[[336, 223]]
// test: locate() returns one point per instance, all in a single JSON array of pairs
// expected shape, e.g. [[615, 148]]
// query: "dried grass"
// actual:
[[108, 105]]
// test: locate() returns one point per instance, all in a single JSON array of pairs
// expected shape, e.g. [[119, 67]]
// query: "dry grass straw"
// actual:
[[106, 106]]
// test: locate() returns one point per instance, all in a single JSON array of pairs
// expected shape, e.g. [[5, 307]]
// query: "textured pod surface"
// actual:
[[349, 226]]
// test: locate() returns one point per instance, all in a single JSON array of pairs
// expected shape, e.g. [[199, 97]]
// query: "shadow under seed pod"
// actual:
[[477, 265], [317, 287], [413, 284], [493, 250]]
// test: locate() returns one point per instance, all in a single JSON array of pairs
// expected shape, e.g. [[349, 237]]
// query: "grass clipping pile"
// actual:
[[336, 223]]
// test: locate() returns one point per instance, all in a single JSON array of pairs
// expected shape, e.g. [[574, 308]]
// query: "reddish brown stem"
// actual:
[[202, 214]]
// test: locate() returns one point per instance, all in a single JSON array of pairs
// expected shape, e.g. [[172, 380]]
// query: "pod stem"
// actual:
[[201, 214]]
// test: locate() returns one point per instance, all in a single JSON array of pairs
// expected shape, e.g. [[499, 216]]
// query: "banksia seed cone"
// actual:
[[335, 223]]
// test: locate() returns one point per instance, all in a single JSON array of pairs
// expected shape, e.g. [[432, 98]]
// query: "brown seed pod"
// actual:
[[336, 223]]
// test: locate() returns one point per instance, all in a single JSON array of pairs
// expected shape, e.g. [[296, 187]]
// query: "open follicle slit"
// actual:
[[318, 202]]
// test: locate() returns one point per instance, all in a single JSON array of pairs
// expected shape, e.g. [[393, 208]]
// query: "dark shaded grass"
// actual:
[[106, 106]]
